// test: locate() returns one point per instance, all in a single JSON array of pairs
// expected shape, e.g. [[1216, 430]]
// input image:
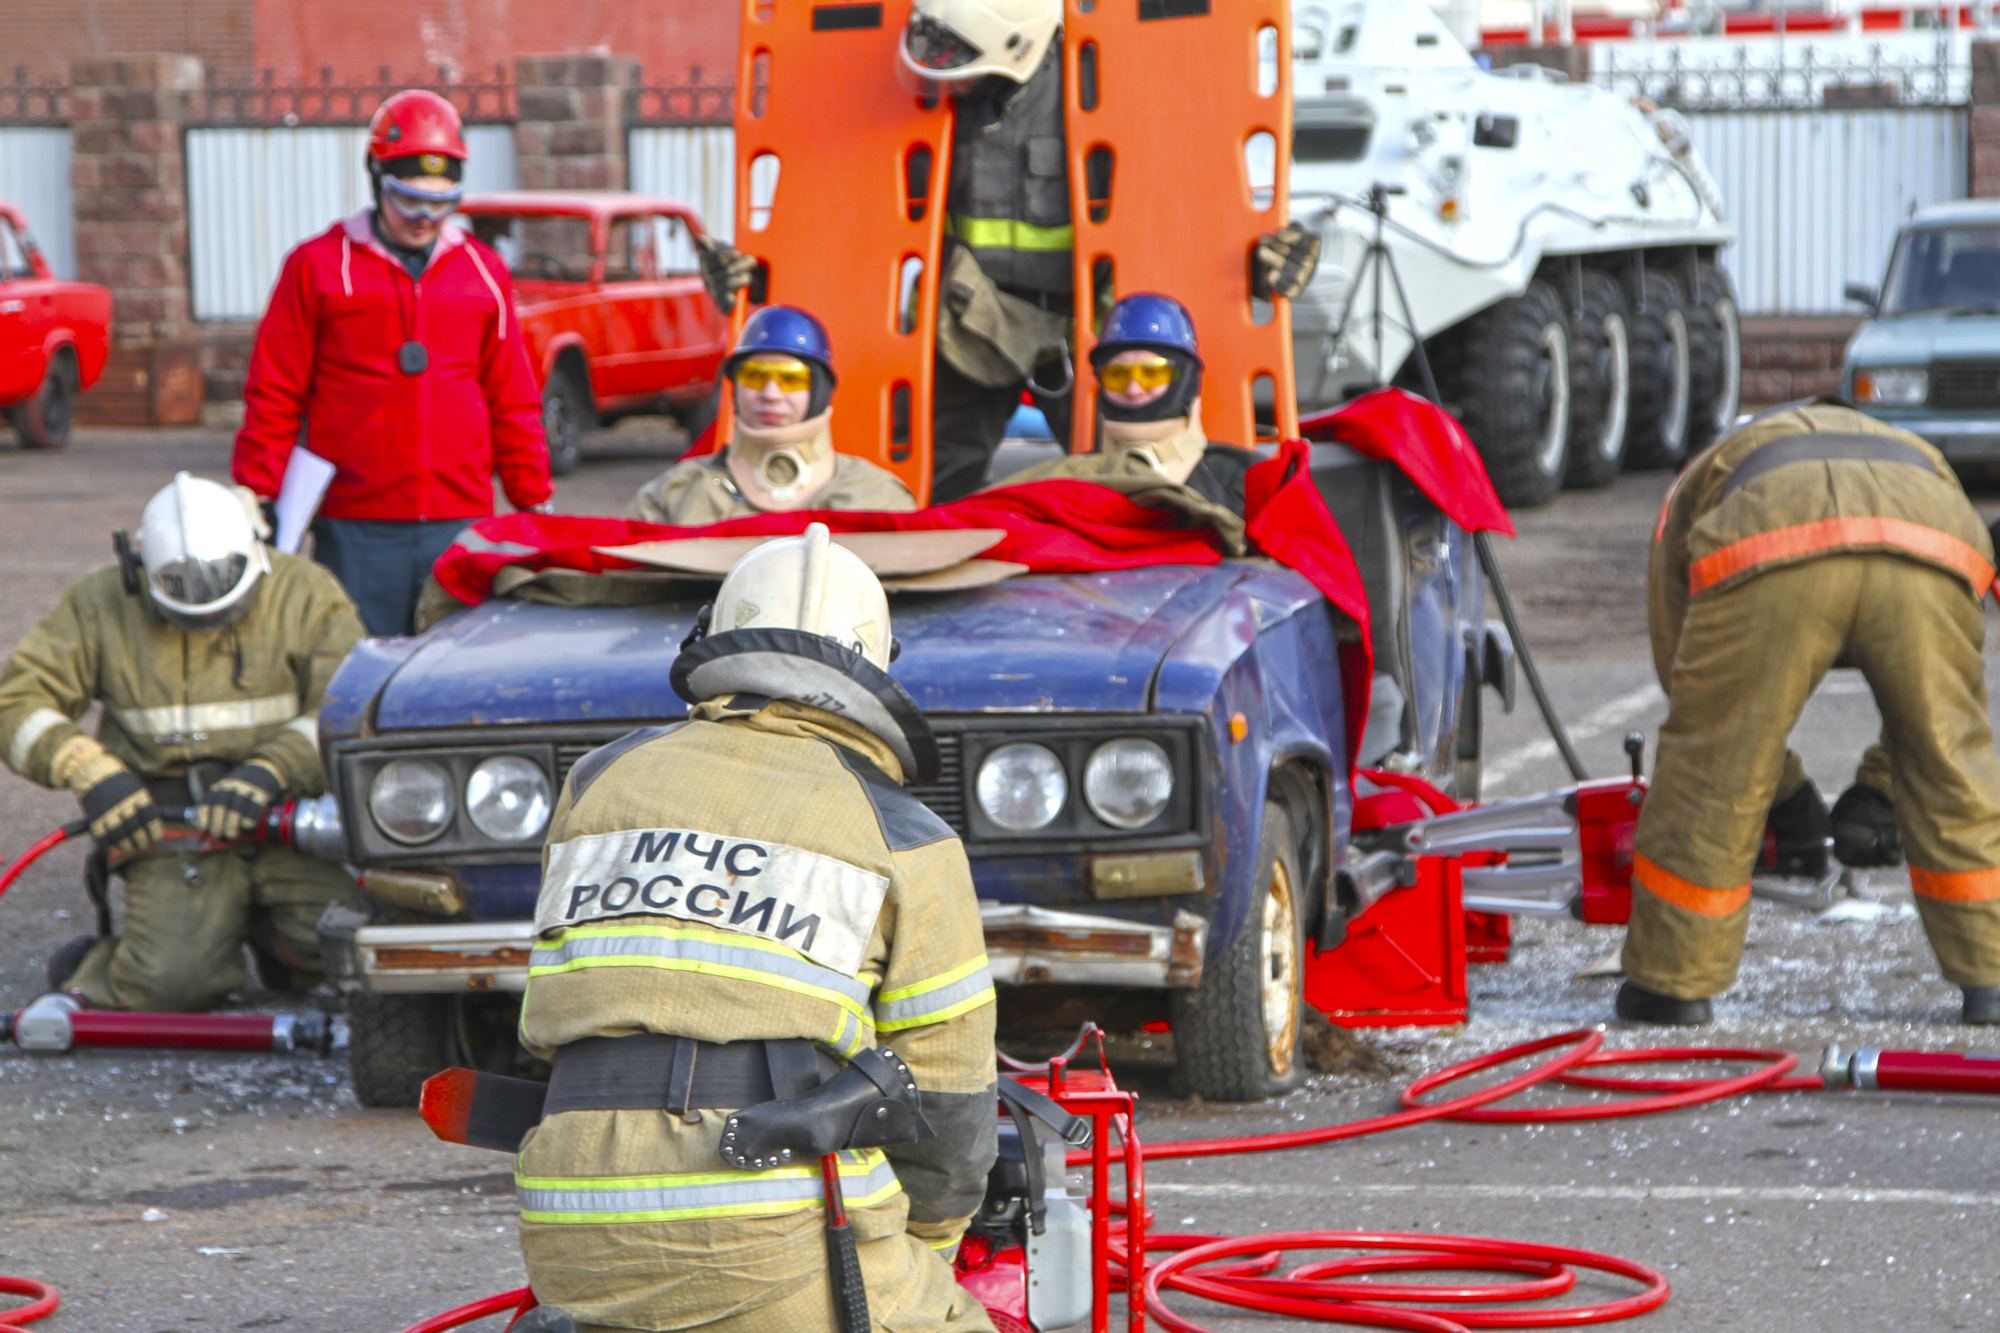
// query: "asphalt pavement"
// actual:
[[226, 1193]]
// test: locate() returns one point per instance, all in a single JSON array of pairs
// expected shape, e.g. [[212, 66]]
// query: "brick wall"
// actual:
[[570, 128], [1792, 356]]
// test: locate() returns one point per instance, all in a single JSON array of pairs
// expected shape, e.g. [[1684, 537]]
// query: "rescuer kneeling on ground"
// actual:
[[780, 453], [747, 910], [210, 653], [1812, 538]]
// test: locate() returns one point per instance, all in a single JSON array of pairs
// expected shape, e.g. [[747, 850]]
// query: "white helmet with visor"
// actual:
[[201, 553], [953, 42]]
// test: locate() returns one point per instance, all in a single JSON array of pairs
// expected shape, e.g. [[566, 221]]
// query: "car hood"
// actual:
[[1914, 339], [1046, 643]]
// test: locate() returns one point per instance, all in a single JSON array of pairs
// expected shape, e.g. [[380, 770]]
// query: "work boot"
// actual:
[[1864, 829], [1982, 1005], [543, 1319], [1798, 829], [64, 962], [1636, 1004]]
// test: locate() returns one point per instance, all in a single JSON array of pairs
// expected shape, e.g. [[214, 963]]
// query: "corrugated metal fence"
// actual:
[[695, 164], [1816, 195], [253, 194], [34, 177]]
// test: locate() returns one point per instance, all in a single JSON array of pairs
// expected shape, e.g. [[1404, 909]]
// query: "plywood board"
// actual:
[[888, 554]]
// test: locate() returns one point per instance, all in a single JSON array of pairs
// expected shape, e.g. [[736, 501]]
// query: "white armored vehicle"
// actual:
[[1556, 243]]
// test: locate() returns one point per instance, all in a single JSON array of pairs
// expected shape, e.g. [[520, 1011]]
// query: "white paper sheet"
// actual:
[[307, 476]]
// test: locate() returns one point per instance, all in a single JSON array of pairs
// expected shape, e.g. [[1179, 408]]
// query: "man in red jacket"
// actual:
[[392, 350]]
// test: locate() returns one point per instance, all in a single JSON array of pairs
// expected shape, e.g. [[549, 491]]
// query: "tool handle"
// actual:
[[850, 1297]]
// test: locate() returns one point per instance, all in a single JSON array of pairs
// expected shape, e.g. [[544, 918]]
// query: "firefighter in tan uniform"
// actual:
[[1814, 537], [210, 653], [750, 888], [780, 454], [1149, 403]]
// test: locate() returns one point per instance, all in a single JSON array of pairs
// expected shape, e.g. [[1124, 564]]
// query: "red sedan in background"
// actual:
[[617, 320], [54, 337]]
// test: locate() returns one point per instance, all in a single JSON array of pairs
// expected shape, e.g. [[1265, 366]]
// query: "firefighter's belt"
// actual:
[[1820, 446], [872, 1103]]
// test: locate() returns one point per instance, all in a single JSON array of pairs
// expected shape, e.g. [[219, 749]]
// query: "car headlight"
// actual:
[[410, 800], [1022, 787], [1128, 782], [1892, 386], [507, 798]]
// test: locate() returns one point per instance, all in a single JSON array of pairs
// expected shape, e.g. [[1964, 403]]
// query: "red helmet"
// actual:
[[415, 121]]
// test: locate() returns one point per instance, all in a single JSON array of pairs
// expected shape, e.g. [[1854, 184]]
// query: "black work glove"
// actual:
[[123, 819], [1799, 828], [725, 270], [1864, 829], [235, 805], [1285, 262]]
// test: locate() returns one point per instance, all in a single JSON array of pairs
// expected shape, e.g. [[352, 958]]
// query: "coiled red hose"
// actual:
[[1236, 1271], [46, 1299]]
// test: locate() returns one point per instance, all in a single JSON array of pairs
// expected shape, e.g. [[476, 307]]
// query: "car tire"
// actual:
[[44, 421], [1715, 358], [1600, 383], [1658, 434], [1238, 1034], [699, 415], [1505, 375], [395, 1042], [566, 415]]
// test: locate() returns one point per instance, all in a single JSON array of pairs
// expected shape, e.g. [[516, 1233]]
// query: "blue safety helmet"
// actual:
[[789, 330], [1147, 319], [786, 329]]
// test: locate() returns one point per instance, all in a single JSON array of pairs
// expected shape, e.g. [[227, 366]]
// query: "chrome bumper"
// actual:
[[482, 956]]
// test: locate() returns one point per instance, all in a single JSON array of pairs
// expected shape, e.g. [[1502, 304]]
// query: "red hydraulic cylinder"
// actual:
[[1911, 1071], [59, 1022]]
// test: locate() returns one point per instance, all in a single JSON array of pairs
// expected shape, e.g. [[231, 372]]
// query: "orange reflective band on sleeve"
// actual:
[[1689, 896], [1833, 533], [1956, 886]]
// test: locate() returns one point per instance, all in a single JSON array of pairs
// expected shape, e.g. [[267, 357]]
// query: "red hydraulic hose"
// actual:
[[46, 1299], [519, 1301], [34, 853]]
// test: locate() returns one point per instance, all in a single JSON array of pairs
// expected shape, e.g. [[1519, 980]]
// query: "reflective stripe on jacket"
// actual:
[[171, 699], [866, 1180]]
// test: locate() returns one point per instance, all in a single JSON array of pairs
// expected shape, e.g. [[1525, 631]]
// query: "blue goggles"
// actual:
[[414, 204]]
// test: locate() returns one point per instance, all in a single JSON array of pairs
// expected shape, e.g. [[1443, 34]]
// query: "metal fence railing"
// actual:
[[269, 101], [25, 101], [1706, 74], [696, 100]]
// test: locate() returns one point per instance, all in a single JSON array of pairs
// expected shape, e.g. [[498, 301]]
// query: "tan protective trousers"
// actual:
[[1749, 657], [188, 915]]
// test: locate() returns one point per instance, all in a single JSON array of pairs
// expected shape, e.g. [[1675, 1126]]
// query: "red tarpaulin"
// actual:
[[1430, 447]]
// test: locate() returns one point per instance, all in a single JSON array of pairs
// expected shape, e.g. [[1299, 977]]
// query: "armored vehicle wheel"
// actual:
[[565, 416], [1505, 373], [1237, 1034], [395, 1042], [1658, 434], [1600, 383], [43, 421], [1715, 358]]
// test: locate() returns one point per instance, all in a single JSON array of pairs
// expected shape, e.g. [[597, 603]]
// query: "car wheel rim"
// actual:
[[1554, 383], [1674, 428], [1279, 975], [1617, 389]]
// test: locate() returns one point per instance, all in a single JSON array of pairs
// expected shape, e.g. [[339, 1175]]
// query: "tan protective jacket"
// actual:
[[248, 691], [746, 875], [1713, 535], [699, 491], [1134, 477]]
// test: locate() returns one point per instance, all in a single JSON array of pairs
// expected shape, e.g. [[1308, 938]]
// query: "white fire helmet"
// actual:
[[956, 41], [201, 554], [804, 619]]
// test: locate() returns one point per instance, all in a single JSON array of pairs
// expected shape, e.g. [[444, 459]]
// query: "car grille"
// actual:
[[946, 797], [1965, 384]]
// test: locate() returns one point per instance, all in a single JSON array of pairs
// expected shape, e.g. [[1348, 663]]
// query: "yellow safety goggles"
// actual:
[[791, 374], [1155, 373]]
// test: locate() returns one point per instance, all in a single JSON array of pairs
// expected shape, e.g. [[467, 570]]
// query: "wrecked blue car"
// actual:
[[1188, 893]]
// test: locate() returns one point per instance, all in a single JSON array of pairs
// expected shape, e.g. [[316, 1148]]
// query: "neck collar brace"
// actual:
[[787, 463], [1164, 443], [814, 670]]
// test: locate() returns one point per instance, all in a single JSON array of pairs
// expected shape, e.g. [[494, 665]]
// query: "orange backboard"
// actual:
[[1176, 92], [851, 206]]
